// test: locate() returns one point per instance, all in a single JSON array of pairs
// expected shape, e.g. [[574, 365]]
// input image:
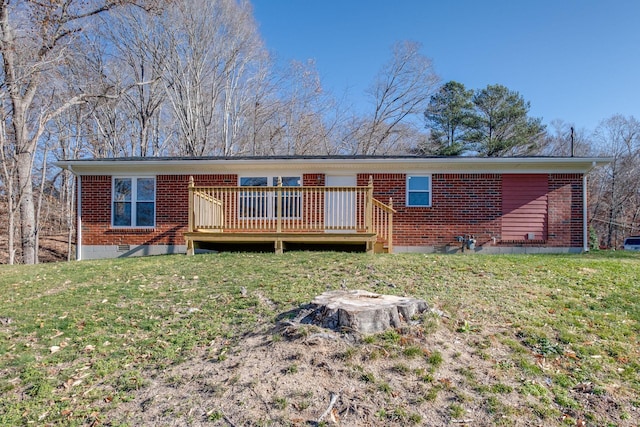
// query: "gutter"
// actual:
[[585, 231], [78, 214]]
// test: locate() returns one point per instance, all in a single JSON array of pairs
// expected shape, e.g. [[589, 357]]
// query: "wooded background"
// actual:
[[114, 78]]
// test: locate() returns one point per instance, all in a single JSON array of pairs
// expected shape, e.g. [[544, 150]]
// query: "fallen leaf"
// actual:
[[571, 354], [334, 416], [54, 349], [445, 381]]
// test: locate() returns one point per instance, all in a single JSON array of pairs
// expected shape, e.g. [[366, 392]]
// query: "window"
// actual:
[[291, 206], [419, 190], [263, 204], [253, 204], [134, 202]]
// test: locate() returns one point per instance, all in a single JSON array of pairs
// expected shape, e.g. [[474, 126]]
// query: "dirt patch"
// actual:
[[53, 248], [288, 377]]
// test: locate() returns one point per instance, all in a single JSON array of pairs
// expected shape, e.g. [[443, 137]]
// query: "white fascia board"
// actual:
[[328, 165]]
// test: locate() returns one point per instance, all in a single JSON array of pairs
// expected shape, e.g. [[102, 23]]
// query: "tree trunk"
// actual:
[[11, 227], [8, 173], [27, 208], [38, 206]]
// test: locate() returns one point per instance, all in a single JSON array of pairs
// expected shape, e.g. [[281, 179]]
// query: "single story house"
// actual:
[[147, 206]]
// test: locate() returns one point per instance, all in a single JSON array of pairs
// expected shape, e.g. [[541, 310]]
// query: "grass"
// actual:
[[78, 337]]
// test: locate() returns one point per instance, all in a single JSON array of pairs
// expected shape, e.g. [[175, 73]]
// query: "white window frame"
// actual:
[[270, 206], [429, 190], [134, 201]]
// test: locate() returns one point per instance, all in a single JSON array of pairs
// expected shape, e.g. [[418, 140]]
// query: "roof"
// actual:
[[331, 164]]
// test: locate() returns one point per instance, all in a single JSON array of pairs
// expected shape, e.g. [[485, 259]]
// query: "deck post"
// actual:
[[191, 207], [368, 206], [279, 206], [390, 228]]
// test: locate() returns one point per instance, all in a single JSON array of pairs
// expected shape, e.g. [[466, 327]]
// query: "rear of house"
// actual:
[[148, 206]]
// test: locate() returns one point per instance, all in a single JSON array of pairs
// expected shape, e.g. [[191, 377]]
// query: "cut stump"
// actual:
[[362, 311]]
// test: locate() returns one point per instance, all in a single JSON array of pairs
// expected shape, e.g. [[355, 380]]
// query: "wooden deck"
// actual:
[[289, 215]]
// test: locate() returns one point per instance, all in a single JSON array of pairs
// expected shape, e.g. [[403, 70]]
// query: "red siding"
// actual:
[[524, 207]]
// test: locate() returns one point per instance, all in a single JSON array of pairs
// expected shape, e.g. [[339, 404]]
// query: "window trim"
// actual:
[[134, 201], [429, 190]]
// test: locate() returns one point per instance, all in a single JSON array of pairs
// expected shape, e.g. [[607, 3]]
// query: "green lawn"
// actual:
[[76, 339]]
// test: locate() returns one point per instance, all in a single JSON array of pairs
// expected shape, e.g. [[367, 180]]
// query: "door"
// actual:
[[340, 206]]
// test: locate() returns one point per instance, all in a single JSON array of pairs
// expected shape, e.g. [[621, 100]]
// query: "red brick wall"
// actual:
[[172, 197], [461, 204], [565, 210], [96, 208], [472, 204], [313, 179]]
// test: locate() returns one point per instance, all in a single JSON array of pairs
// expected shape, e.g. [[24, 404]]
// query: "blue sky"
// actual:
[[578, 61]]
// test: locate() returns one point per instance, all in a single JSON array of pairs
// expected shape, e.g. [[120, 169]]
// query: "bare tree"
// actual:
[[8, 179], [71, 140], [242, 75], [262, 124], [34, 43], [616, 202], [305, 111], [558, 141], [211, 48], [136, 68], [400, 93]]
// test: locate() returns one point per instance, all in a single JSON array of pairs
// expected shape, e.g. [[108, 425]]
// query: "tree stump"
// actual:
[[363, 311]]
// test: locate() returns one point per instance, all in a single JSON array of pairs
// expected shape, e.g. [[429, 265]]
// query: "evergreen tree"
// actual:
[[448, 116], [501, 125]]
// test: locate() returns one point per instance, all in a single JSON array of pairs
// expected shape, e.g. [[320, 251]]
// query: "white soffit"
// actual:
[[170, 166]]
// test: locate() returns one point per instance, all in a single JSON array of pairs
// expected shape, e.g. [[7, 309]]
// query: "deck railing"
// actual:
[[382, 222], [283, 209]]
